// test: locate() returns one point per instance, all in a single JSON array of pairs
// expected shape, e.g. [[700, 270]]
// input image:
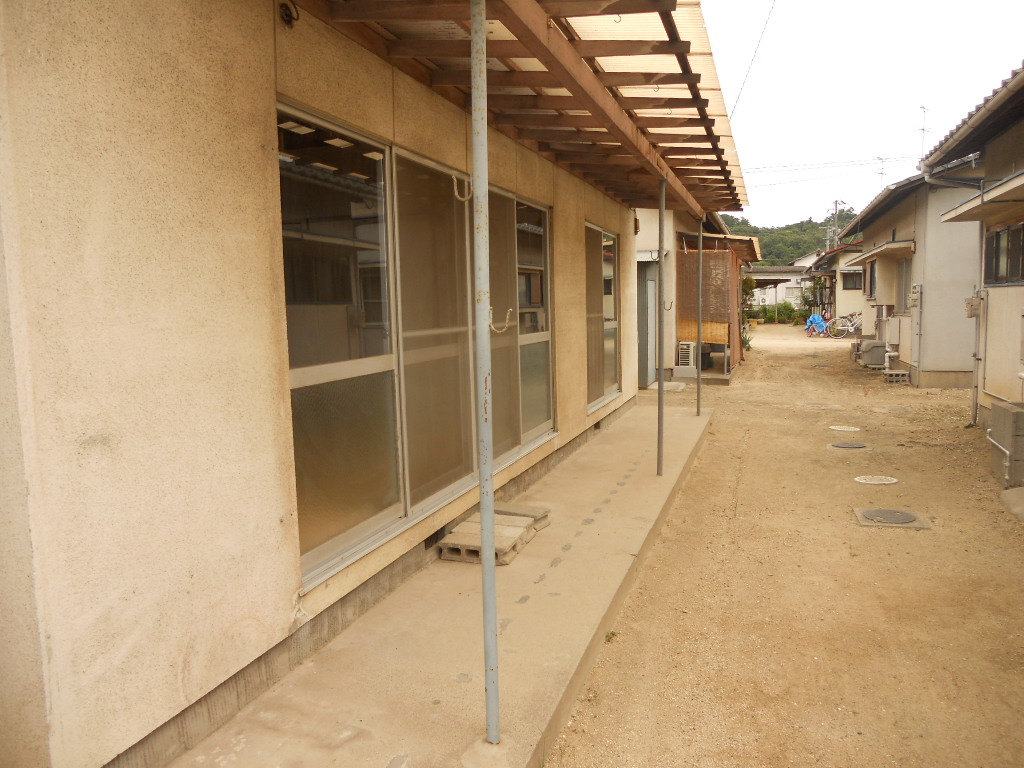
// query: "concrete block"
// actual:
[[539, 515], [463, 544]]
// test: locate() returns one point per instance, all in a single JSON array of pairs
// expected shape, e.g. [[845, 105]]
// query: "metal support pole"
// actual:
[[482, 290], [660, 356], [700, 308]]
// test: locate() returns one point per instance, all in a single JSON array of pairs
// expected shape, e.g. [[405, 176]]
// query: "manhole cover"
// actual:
[[892, 516], [848, 445], [838, 428], [876, 479]]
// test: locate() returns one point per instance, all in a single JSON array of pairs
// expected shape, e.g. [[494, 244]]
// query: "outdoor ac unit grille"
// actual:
[[686, 354]]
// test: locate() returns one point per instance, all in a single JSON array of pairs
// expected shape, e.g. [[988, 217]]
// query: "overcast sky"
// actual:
[[835, 86]]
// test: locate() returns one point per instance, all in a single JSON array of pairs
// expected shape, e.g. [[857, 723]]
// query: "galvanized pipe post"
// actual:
[[482, 291], [700, 307], [660, 322]]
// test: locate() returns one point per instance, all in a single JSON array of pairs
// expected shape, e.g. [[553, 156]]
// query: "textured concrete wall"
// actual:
[[24, 736], [147, 475], [142, 253]]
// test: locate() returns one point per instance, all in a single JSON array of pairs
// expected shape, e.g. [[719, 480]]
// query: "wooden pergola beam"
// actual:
[[537, 120], [501, 101], [657, 121], [677, 138], [529, 23], [529, 79], [515, 49], [458, 10]]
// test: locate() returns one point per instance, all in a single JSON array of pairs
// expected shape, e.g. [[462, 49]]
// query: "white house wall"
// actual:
[[147, 486], [949, 274], [1001, 351]]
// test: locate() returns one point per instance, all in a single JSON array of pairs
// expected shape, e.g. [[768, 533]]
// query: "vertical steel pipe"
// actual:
[[660, 322], [700, 308], [482, 291]]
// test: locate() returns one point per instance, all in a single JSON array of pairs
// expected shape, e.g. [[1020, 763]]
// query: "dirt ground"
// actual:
[[768, 628]]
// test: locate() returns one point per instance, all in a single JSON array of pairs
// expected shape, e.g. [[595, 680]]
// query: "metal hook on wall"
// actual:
[[469, 189], [667, 305], [618, 18], [508, 320]]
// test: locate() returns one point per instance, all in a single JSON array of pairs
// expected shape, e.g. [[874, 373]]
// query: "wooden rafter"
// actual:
[[458, 10], [530, 79], [501, 101], [515, 49]]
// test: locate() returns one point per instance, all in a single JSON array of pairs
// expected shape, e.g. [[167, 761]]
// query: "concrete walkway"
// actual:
[[403, 686]]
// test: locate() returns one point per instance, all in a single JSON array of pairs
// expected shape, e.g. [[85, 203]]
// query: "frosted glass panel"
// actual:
[[611, 360], [435, 329], [602, 325], [535, 362], [595, 316], [346, 464], [504, 346]]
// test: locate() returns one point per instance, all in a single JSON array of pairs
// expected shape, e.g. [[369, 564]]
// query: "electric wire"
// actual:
[[732, 112]]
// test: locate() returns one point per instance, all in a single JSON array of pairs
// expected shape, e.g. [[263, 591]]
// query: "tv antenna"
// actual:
[[923, 129]]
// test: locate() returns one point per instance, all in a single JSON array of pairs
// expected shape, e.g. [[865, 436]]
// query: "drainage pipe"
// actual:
[[482, 291], [660, 315], [700, 307], [975, 384], [1006, 459], [889, 355]]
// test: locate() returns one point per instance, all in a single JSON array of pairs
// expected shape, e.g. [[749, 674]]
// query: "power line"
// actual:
[[732, 111], [816, 166]]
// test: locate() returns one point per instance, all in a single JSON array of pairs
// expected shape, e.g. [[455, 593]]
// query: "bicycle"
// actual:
[[838, 327]]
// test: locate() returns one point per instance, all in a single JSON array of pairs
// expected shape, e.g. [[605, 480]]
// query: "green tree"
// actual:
[[781, 245]]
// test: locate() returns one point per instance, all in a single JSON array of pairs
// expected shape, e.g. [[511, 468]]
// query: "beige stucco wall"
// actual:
[[23, 701], [142, 253]]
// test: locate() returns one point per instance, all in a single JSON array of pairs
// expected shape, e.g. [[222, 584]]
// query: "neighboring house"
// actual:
[[994, 130], [777, 283], [917, 272], [723, 256], [236, 348], [840, 287]]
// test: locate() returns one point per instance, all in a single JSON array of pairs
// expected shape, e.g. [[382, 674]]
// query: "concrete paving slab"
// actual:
[[403, 686]]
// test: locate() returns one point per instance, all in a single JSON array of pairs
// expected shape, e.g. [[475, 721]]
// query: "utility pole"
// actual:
[[832, 238]]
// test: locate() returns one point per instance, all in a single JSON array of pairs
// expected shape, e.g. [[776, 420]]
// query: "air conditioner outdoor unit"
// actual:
[[686, 354], [686, 359]]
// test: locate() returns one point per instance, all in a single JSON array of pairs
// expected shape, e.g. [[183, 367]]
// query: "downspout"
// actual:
[[700, 306], [482, 290], [660, 315], [976, 384]]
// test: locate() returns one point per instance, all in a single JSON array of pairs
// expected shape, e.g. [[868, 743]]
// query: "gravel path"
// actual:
[[768, 628]]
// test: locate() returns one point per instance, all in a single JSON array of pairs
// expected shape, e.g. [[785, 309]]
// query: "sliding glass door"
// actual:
[[436, 363], [341, 360]]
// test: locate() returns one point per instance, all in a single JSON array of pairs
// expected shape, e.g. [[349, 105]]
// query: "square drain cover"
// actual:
[[890, 518]]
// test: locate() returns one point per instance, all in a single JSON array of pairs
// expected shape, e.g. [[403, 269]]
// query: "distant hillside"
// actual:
[[780, 245]]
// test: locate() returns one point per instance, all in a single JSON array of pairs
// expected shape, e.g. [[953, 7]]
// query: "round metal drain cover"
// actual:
[[848, 445], [838, 428], [876, 479], [894, 516]]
